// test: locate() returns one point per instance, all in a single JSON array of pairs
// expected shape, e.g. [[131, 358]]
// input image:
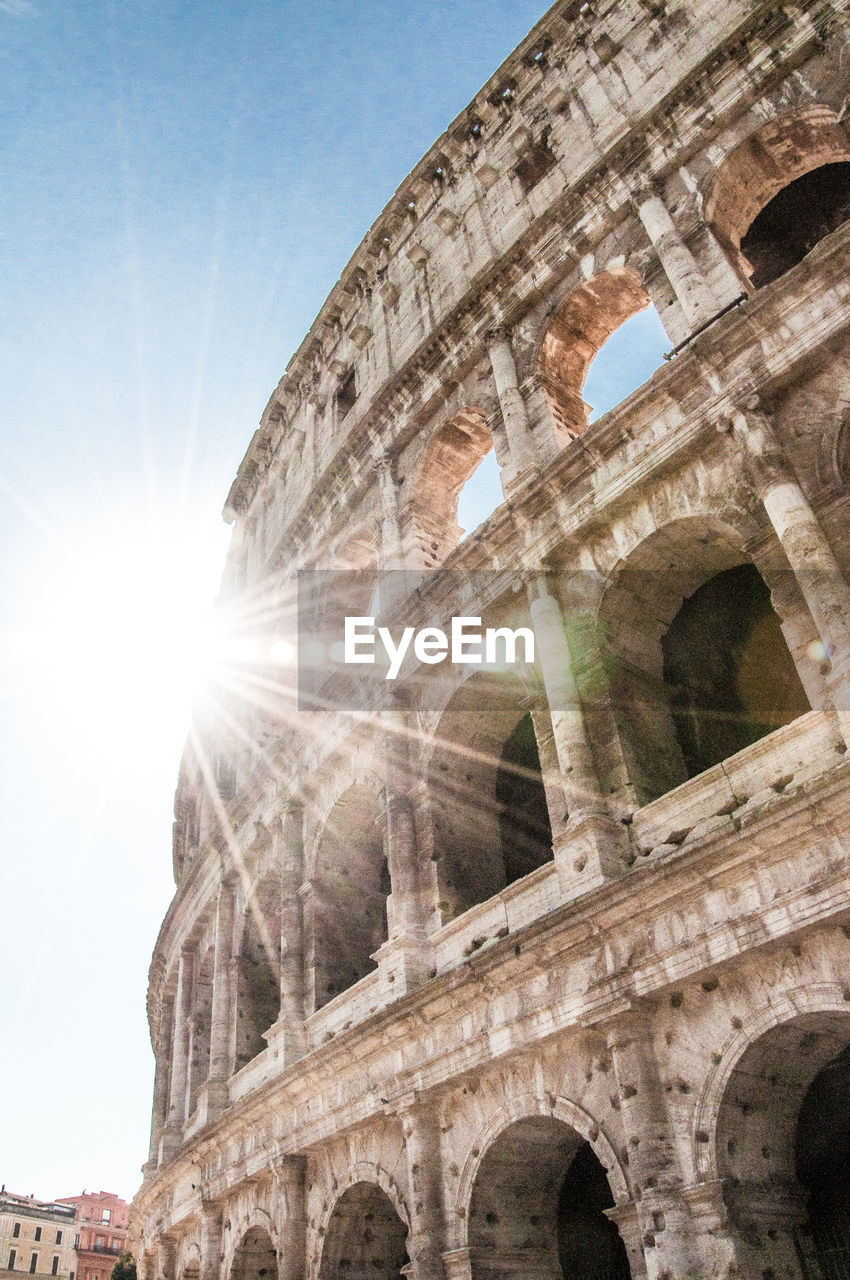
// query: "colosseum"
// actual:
[[544, 974]]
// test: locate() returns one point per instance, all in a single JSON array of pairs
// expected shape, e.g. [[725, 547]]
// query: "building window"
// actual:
[[58, 1237], [33, 1264], [13, 1253], [107, 1215], [77, 1240], [54, 1270], [16, 1230], [347, 394], [37, 1233]]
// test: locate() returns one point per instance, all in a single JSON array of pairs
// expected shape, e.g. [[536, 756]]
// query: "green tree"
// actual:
[[125, 1267]]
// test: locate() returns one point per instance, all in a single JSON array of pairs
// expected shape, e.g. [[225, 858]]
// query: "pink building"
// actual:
[[101, 1232]]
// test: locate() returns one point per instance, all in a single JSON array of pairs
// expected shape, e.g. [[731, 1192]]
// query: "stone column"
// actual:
[[292, 1043], [667, 1231], [167, 1261], [406, 957], [593, 841], [221, 1018], [211, 1241], [426, 1240], [818, 573], [514, 414], [290, 1176], [172, 1134], [162, 1081], [689, 284], [550, 768], [397, 575], [392, 550]]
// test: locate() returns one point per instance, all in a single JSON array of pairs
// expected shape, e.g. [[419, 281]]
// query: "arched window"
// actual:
[[258, 980], [783, 1148], [488, 806], [452, 459], [481, 495], [578, 331], [365, 1238], [726, 663], [255, 1258], [699, 665], [538, 1207], [199, 1039], [780, 191], [347, 912]]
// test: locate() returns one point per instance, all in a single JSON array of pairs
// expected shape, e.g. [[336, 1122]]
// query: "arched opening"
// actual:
[[452, 460], [780, 191], [255, 1258], [731, 677], [783, 1141], [538, 1208], [355, 578], [258, 980], [488, 805], [481, 495], [625, 362], [576, 334], [698, 661], [822, 1159], [199, 1031], [365, 1238], [793, 222], [347, 916]]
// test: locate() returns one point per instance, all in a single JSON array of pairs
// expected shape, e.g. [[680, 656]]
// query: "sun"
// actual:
[[115, 643]]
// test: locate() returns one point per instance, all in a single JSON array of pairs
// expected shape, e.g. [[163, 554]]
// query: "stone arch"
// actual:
[[768, 1129], [258, 970], [551, 1133], [682, 697], [190, 1260], [780, 153], [578, 330], [489, 816], [823, 998], [354, 561], [364, 1233], [450, 458], [199, 1040], [254, 1256], [346, 909]]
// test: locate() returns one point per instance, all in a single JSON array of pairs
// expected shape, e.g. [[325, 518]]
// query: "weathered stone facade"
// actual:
[[408, 1014]]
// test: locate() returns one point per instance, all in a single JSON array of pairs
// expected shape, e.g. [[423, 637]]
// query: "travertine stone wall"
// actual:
[[393, 1031]]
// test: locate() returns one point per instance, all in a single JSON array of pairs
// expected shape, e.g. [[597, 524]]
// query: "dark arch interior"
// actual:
[[258, 996], [822, 1158], [350, 890], [488, 805], [365, 1239], [524, 827], [793, 222], [539, 1204], [726, 662], [255, 1259], [589, 1243]]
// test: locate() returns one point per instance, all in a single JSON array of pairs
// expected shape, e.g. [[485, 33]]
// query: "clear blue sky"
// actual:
[[180, 185]]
